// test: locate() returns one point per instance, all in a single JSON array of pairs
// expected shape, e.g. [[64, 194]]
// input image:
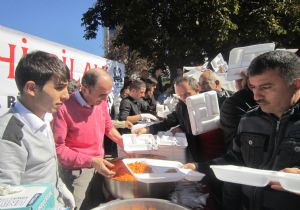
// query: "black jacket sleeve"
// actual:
[[168, 123], [125, 108]]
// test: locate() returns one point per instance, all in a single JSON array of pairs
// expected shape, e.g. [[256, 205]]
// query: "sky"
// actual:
[[54, 20]]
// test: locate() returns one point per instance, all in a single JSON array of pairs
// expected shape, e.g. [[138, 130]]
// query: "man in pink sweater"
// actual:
[[79, 127]]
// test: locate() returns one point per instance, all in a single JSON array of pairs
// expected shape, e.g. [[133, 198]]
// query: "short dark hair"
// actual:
[[123, 89], [89, 79], [148, 87], [137, 84], [39, 66], [285, 62], [151, 80]]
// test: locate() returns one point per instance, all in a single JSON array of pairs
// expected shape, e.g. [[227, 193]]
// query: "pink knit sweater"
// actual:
[[79, 131]]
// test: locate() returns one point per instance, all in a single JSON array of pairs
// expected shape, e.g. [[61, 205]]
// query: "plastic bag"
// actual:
[[190, 194]]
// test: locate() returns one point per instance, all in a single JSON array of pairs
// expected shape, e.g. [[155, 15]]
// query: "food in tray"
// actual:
[[124, 176], [122, 173], [140, 167], [141, 207], [154, 171]]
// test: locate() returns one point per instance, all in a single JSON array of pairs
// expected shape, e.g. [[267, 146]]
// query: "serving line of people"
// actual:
[[81, 120], [271, 77], [267, 136], [28, 153], [201, 147], [185, 87]]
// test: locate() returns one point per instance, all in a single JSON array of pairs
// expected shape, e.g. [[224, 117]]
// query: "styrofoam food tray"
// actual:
[[168, 139], [290, 182], [159, 171], [256, 177], [133, 143]]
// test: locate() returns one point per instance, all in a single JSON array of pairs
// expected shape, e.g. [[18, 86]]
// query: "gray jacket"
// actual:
[[27, 155]]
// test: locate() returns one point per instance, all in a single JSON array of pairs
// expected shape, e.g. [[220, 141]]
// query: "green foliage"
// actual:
[[178, 33]]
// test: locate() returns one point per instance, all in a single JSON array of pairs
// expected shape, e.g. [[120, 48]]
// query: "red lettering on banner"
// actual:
[[24, 49], [71, 67], [10, 60], [87, 67], [64, 58]]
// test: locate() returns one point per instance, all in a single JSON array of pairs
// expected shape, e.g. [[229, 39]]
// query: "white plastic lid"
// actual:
[[203, 112], [219, 64], [241, 57]]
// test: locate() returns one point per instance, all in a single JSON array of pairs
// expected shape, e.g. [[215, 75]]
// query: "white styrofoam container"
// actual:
[[219, 64], [226, 84], [162, 110], [241, 57], [141, 143], [170, 147], [168, 152], [203, 112], [241, 175], [256, 177], [289, 181], [168, 139], [159, 171]]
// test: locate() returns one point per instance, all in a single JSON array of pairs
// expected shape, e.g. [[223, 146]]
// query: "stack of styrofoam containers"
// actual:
[[141, 144], [165, 144], [203, 112], [171, 102], [172, 146], [162, 110], [241, 57]]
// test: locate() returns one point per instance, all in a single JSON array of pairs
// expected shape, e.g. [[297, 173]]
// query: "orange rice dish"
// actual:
[[122, 173]]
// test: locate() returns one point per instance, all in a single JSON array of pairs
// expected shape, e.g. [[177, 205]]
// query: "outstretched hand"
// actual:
[[103, 166], [189, 166], [140, 131], [128, 124], [277, 186], [146, 116]]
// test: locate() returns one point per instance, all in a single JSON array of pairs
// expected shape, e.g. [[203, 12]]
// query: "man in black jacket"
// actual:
[[185, 86], [130, 108], [268, 137], [148, 103], [233, 108]]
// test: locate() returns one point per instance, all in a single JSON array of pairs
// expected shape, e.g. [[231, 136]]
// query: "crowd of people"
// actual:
[[56, 133]]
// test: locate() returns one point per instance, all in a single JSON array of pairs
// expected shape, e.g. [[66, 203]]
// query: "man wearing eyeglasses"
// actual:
[[185, 87]]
